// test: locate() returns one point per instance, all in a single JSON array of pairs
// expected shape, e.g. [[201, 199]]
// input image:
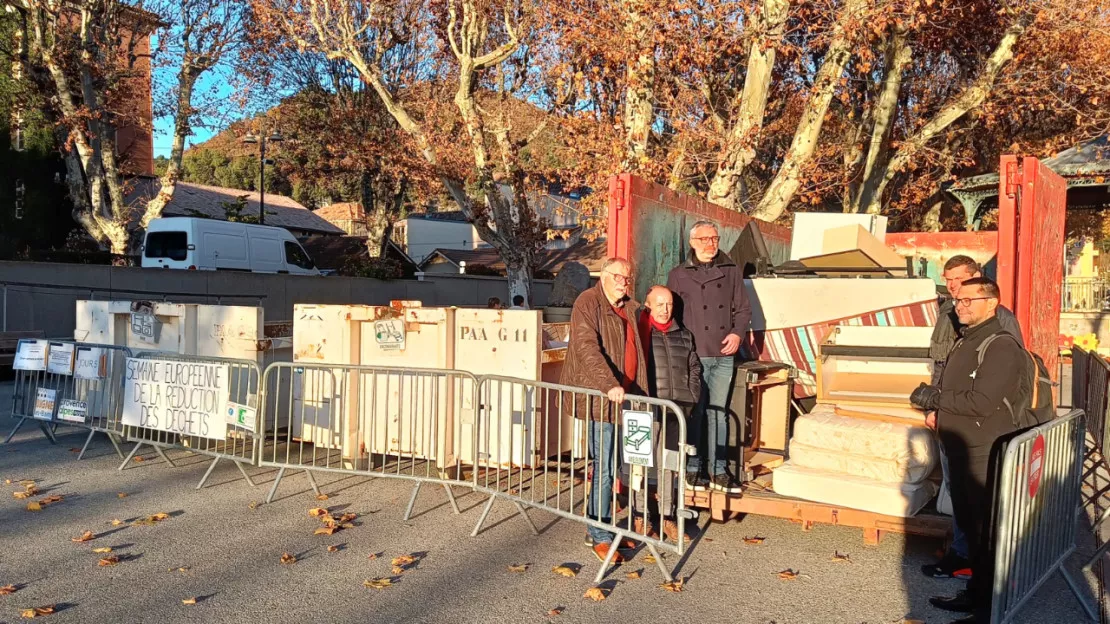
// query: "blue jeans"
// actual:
[[959, 540], [709, 426], [602, 449]]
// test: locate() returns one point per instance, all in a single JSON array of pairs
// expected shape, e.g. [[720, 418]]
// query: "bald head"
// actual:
[[661, 303]]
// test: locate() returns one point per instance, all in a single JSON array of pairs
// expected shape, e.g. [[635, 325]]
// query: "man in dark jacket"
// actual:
[[674, 373], [605, 354], [973, 421], [957, 270], [714, 307]]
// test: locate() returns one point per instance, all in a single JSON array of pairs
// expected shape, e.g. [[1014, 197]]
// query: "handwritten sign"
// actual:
[[60, 358], [73, 411], [241, 416], [636, 435], [91, 363], [30, 355], [45, 399], [186, 398], [144, 327], [390, 334]]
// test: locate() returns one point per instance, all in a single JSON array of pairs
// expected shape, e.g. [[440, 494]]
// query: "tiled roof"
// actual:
[[190, 199], [591, 254], [345, 211]]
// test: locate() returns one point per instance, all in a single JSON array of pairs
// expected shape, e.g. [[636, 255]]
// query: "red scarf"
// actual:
[[631, 363]]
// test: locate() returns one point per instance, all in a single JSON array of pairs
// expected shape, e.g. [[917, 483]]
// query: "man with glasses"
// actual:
[[714, 307], [973, 420], [605, 354], [957, 270]]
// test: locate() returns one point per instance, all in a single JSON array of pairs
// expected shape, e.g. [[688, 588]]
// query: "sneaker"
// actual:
[[962, 602], [643, 528], [723, 482], [670, 530], [697, 481], [602, 551], [950, 565]]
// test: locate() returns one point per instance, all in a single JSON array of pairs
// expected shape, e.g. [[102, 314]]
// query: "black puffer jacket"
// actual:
[[674, 369]]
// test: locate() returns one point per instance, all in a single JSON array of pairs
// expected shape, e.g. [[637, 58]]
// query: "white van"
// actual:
[[212, 245]]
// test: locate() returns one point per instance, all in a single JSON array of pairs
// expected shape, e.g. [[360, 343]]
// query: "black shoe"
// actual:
[[723, 482], [972, 619], [950, 565], [697, 481], [960, 603]]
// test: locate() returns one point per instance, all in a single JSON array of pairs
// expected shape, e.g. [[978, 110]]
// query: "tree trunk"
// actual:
[[181, 130], [970, 98], [786, 182], [639, 98], [725, 189], [878, 150], [377, 206]]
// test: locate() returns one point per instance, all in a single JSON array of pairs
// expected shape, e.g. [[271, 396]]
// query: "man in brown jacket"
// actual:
[[605, 354]]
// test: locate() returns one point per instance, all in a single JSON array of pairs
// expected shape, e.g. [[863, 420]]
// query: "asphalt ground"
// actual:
[[222, 546]]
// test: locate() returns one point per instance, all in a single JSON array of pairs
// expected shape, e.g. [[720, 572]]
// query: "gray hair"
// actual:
[[703, 223], [616, 260]]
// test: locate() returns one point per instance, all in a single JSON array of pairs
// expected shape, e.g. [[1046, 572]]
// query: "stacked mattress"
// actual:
[[873, 465]]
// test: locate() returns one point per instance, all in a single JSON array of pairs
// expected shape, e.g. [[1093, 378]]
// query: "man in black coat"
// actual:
[[973, 421], [714, 307], [674, 373]]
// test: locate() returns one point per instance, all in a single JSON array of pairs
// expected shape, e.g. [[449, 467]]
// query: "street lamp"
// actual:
[[262, 140]]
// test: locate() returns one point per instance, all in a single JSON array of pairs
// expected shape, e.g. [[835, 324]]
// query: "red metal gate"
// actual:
[[1032, 200]]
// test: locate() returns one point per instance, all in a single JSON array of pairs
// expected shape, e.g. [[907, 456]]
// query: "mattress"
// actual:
[[885, 469], [890, 499], [911, 448]]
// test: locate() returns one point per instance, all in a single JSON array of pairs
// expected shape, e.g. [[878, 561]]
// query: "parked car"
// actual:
[[197, 244]]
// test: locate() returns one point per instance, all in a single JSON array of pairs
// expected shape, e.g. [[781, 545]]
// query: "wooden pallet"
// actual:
[[761, 502]]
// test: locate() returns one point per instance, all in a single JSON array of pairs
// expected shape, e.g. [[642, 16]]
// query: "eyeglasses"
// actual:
[[705, 240], [623, 280], [966, 301]]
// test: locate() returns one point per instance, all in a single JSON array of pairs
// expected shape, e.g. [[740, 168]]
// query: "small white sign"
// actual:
[[44, 404], [30, 355], [390, 334], [144, 327], [636, 438], [92, 363], [185, 398], [73, 411], [60, 361], [241, 416]]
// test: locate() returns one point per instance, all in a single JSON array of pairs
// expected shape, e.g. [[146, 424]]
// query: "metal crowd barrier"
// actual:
[[241, 444], [1038, 499], [84, 394], [1079, 360]]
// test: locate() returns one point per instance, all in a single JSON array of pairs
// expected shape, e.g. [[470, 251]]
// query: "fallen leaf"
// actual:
[[913, 621], [398, 571], [182, 569], [74, 450], [788, 575], [327, 519], [50, 500], [288, 558], [87, 536], [37, 611], [649, 559], [709, 539], [108, 561], [7, 481], [403, 560], [189, 601], [347, 517], [122, 495], [333, 549], [373, 556], [253, 505], [34, 506], [675, 586], [565, 571], [378, 583], [27, 482], [316, 512], [140, 458], [22, 495], [346, 525], [519, 568], [595, 593], [634, 575], [8, 589], [754, 540], [101, 551], [839, 557], [117, 522], [158, 517], [325, 530], [322, 497], [555, 611]]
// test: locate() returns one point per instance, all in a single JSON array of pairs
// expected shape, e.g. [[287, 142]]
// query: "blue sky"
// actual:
[[211, 86]]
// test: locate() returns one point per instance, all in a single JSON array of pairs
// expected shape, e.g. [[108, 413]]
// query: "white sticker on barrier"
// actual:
[[30, 355], [91, 363], [241, 416], [390, 334], [60, 360], [186, 398], [73, 411], [145, 327], [44, 404], [636, 436]]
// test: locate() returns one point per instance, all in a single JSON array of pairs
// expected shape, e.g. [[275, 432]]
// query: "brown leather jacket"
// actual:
[[595, 355]]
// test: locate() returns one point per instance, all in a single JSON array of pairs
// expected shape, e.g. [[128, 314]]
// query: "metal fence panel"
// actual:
[[85, 395], [241, 444], [1079, 360], [1038, 497]]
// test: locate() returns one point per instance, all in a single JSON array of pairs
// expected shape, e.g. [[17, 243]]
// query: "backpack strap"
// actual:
[[981, 351]]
